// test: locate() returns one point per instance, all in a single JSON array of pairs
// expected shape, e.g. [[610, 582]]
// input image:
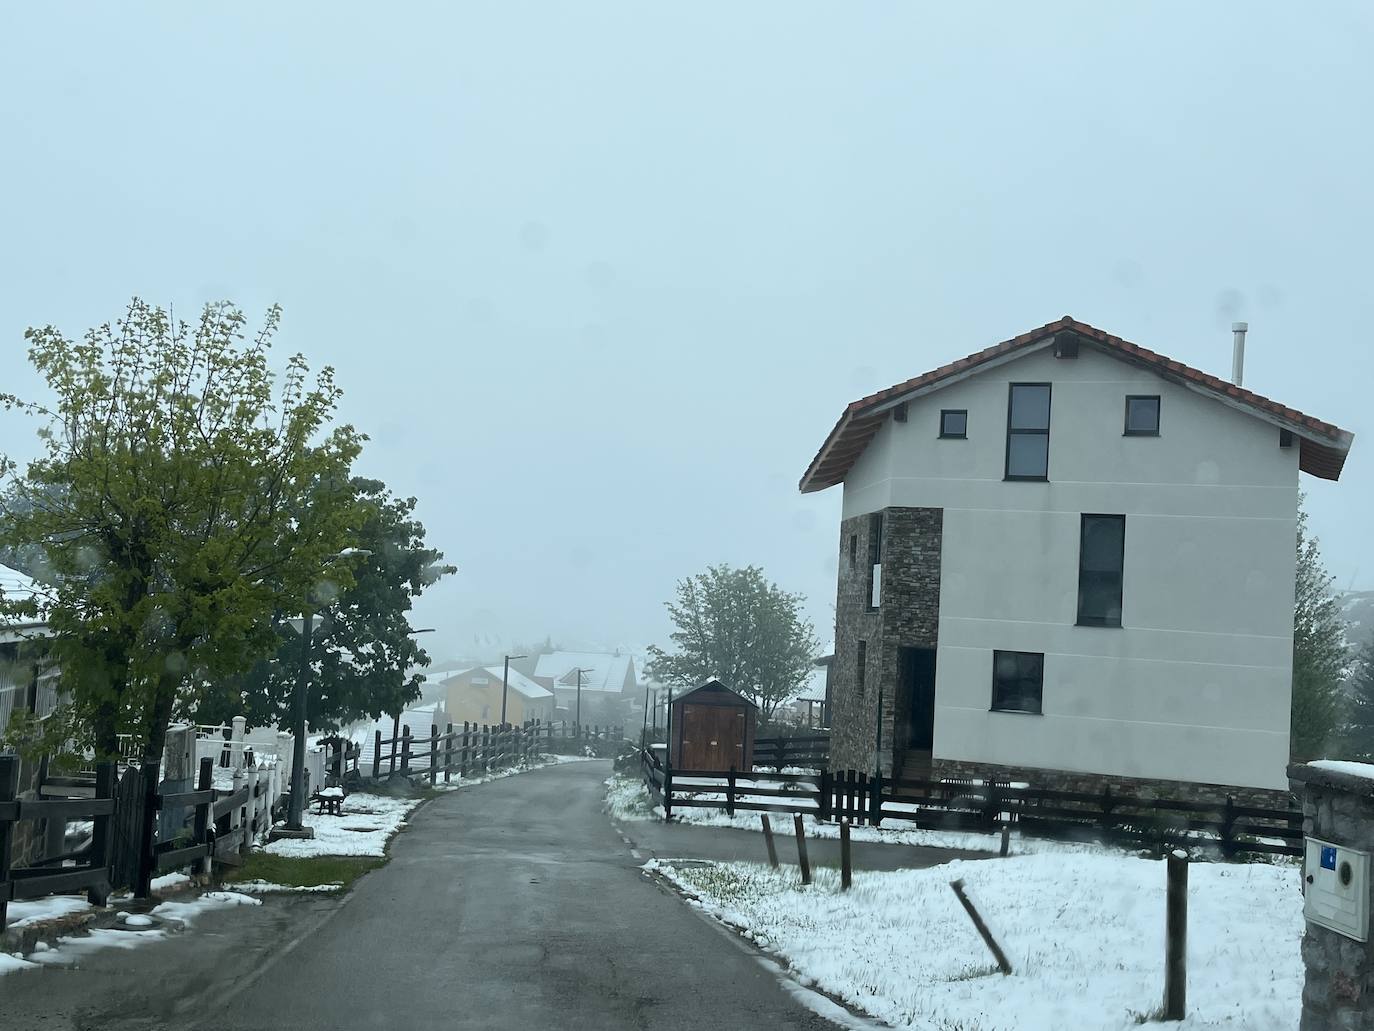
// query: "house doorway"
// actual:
[[916, 689]]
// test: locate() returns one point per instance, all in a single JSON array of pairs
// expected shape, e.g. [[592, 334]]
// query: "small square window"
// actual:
[[1142, 415], [954, 423], [1018, 681]]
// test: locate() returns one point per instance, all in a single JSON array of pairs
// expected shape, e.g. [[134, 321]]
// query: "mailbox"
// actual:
[[1336, 886]]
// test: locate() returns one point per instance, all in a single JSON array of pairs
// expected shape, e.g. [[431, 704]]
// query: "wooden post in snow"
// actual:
[[988, 939], [802, 859], [1176, 936], [768, 840]]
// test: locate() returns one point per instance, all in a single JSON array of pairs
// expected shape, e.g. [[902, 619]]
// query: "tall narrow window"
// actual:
[[1028, 431], [862, 664], [1101, 556], [853, 548], [875, 559], [1018, 681]]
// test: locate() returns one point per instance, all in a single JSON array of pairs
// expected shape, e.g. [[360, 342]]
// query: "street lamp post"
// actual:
[[505, 678], [297, 807]]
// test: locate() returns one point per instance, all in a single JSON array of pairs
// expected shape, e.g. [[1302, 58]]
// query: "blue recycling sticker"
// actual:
[[1328, 857]]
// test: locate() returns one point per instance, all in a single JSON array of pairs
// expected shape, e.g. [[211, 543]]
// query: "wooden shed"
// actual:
[[712, 729]]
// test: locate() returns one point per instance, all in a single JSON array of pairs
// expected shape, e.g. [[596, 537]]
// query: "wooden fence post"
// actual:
[[377, 755], [433, 755], [405, 750], [1228, 827], [825, 787], [875, 799], [846, 860], [203, 827], [147, 838], [768, 840], [97, 894], [802, 859], [395, 740], [9, 787], [1176, 936], [448, 753], [982, 928], [730, 792], [250, 824], [463, 754], [667, 788]]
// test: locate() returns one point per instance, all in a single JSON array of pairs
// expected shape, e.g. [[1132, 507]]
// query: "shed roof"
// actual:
[[1322, 445], [713, 686]]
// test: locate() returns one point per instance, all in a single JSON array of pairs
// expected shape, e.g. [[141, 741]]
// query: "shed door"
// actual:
[[712, 737]]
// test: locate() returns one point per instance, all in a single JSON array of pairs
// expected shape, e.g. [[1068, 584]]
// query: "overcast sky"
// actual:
[[598, 278]]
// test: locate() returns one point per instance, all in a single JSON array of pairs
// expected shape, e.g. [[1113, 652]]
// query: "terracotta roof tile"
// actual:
[[859, 422]]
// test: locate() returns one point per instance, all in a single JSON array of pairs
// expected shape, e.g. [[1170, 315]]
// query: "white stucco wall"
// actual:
[[1195, 685]]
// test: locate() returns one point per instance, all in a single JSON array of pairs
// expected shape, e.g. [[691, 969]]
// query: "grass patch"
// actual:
[[304, 872]]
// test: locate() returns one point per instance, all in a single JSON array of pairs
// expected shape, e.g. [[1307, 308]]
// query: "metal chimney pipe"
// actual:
[[1238, 352]]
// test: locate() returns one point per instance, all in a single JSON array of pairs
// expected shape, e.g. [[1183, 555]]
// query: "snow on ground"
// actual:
[[52, 907], [1345, 766], [1084, 934], [72, 949], [628, 799], [270, 887], [11, 963], [367, 824]]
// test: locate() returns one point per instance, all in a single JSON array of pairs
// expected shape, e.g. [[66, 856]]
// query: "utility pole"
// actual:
[[577, 722], [505, 679]]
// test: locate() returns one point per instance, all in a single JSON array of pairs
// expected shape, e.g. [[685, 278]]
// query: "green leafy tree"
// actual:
[[183, 494], [1319, 652], [736, 625], [1359, 709], [362, 647]]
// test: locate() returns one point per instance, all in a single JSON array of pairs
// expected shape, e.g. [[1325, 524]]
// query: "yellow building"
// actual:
[[474, 696]]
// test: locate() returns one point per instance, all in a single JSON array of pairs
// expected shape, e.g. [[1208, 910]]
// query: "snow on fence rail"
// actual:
[[474, 750], [854, 797]]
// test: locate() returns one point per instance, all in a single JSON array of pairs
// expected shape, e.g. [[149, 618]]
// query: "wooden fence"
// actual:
[[853, 797], [472, 750], [780, 752]]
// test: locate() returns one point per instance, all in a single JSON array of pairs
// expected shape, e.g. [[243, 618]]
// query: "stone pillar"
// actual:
[[1338, 807], [178, 774]]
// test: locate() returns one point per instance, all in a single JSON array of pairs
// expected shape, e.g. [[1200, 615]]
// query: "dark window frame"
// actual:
[[853, 549], [1126, 430], [1007, 474], [953, 436], [1094, 620], [1040, 687]]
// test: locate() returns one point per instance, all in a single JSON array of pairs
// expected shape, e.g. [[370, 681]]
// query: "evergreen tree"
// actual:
[[1359, 714], [1319, 653]]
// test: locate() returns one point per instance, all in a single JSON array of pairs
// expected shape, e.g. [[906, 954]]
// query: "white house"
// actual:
[[609, 687], [1070, 560]]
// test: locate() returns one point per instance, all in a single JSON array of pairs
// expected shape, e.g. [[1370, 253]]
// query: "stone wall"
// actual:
[[908, 615], [1339, 988], [1135, 787]]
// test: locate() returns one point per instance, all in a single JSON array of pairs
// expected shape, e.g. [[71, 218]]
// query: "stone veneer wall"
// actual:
[[1136, 787], [1339, 987], [909, 615]]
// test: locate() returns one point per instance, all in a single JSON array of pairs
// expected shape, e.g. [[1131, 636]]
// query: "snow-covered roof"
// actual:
[[17, 586], [604, 672], [519, 683]]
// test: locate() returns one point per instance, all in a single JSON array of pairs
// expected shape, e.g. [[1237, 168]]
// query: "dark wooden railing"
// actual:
[[858, 798]]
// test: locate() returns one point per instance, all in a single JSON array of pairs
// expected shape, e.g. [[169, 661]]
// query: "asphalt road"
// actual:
[[510, 906], [515, 905]]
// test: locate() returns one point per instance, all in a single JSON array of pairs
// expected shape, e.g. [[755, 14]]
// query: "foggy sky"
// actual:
[[598, 278]]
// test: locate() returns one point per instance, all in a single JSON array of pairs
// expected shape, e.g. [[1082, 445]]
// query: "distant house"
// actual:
[[474, 696], [24, 684], [1070, 560], [610, 688]]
